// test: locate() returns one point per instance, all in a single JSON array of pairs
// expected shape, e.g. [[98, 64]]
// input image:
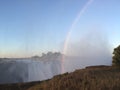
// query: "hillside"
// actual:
[[90, 78]]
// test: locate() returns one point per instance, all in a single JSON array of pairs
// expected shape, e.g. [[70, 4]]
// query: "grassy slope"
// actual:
[[91, 78]]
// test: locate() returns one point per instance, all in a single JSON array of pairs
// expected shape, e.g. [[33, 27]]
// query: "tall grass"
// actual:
[[91, 78], [106, 78]]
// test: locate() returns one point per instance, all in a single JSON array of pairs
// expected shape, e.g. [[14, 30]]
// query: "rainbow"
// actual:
[[71, 29]]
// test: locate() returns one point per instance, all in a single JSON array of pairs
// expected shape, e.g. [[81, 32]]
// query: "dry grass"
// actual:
[[91, 78]]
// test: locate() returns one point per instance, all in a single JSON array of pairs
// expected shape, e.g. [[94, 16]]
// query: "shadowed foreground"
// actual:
[[91, 78]]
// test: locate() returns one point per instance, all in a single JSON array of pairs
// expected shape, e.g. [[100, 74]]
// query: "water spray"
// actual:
[[71, 29]]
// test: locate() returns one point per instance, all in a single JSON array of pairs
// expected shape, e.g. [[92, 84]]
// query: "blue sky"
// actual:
[[29, 27]]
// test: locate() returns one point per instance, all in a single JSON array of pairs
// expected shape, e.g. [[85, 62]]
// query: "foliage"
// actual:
[[116, 56]]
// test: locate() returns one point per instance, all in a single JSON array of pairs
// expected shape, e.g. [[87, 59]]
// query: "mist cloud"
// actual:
[[92, 49]]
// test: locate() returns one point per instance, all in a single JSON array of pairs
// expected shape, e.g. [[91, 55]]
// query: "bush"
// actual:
[[116, 56]]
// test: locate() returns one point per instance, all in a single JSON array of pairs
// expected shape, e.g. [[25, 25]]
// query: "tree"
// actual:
[[116, 56]]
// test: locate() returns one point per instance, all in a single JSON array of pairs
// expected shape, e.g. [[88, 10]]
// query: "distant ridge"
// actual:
[[97, 66]]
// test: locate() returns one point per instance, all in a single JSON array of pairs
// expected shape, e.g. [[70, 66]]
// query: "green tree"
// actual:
[[116, 56]]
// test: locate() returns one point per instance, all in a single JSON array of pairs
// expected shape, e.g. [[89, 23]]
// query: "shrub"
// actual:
[[116, 56]]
